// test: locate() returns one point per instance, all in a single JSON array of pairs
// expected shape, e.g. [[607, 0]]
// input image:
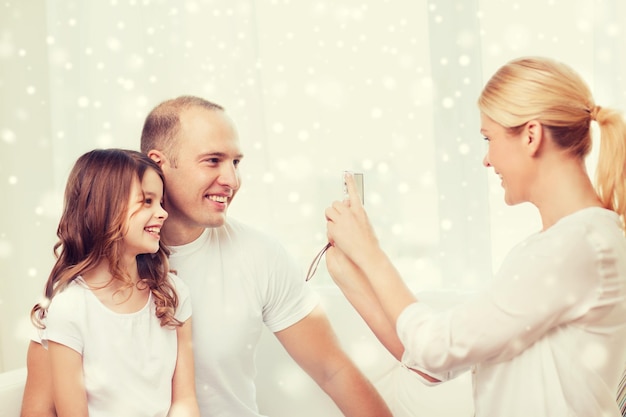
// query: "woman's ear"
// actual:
[[533, 137]]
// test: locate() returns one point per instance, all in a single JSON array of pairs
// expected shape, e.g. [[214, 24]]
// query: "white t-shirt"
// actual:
[[128, 359], [239, 280], [548, 338]]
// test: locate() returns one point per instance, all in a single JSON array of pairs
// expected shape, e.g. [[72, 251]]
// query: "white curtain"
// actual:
[[387, 88]]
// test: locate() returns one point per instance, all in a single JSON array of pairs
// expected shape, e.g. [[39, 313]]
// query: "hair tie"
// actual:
[[593, 113]]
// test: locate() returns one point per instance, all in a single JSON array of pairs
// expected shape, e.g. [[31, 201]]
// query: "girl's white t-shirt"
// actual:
[[128, 359]]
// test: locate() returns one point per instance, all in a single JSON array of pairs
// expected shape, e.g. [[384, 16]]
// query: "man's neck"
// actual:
[[175, 234]]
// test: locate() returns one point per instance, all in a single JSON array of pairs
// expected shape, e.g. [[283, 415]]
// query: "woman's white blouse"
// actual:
[[548, 337]]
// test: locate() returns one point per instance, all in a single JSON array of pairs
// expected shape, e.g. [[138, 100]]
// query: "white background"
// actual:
[[386, 87]]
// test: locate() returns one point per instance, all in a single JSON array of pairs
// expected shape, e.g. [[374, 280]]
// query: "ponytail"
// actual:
[[611, 169]]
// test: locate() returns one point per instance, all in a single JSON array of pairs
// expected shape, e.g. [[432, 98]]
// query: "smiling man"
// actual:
[[240, 279]]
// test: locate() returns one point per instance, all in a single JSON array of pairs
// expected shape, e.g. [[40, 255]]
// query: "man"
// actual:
[[240, 279]]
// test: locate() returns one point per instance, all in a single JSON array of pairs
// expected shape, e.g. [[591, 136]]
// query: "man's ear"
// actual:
[[533, 137], [157, 156]]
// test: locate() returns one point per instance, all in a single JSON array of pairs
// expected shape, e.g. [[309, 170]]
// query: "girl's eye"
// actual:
[[148, 201], [486, 139]]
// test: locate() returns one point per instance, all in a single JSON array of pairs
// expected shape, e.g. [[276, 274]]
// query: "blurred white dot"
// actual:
[[21, 52], [613, 30], [446, 224], [464, 60], [403, 188], [6, 249], [389, 83], [32, 272], [376, 113], [367, 164], [427, 179], [278, 128], [293, 197], [8, 136], [447, 102], [303, 135], [71, 22], [83, 101], [268, 177], [38, 210], [126, 84], [443, 61], [465, 39], [373, 198], [136, 62], [113, 44], [31, 90], [104, 140], [307, 210], [396, 229], [464, 149], [12, 180], [50, 40], [383, 167], [142, 101]]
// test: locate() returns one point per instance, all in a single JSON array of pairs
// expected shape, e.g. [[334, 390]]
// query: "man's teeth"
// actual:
[[218, 198]]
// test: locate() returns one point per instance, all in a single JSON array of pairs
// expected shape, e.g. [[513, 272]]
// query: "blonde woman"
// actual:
[[548, 337]]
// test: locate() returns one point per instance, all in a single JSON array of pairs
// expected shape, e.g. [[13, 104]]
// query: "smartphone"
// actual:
[[358, 180]]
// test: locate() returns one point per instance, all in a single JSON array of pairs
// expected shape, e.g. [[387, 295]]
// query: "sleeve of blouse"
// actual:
[[539, 287]]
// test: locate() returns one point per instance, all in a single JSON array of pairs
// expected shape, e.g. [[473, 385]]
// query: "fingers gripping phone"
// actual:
[[358, 180]]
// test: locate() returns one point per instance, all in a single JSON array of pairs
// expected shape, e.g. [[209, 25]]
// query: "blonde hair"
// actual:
[[542, 89]]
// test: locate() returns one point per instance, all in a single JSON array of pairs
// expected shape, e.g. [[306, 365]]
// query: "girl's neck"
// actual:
[[117, 294]]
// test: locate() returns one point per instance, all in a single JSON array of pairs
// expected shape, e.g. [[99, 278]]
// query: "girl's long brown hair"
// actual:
[[92, 228]]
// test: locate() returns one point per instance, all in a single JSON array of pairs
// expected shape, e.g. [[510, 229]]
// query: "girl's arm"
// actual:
[[37, 400], [184, 402], [68, 387]]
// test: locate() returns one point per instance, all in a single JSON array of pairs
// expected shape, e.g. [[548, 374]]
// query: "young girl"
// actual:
[[548, 337], [118, 325]]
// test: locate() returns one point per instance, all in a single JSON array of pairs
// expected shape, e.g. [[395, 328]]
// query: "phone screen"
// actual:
[[358, 180]]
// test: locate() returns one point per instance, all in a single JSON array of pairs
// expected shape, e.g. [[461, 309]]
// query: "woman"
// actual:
[[548, 337]]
